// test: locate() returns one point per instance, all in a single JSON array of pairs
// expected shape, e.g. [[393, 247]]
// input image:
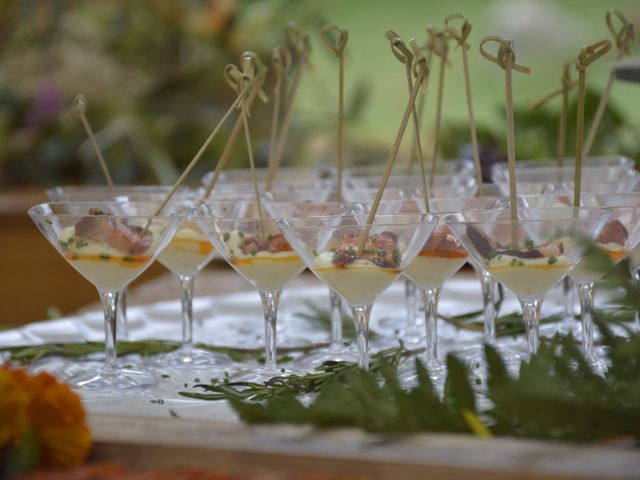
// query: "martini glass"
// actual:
[[619, 236], [119, 193], [254, 246], [564, 174], [444, 186], [568, 163], [188, 252], [530, 255], [358, 261], [109, 244], [440, 257]]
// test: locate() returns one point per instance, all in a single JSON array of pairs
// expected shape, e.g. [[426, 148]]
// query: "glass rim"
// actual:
[[33, 210], [429, 219], [600, 212]]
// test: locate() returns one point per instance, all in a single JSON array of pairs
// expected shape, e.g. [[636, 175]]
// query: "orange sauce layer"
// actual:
[[252, 260], [133, 261], [615, 255], [443, 253], [203, 247]]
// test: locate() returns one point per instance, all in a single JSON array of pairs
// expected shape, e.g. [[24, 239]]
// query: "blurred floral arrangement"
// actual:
[[151, 72], [538, 132], [42, 423]]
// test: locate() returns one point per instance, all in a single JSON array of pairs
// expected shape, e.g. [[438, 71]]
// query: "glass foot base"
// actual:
[[190, 357], [112, 380], [315, 359], [262, 375]]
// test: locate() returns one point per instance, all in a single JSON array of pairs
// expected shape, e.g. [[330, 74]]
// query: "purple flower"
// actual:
[[47, 105]]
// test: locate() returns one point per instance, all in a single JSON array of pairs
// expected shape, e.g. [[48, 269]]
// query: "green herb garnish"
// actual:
[[552, 260]]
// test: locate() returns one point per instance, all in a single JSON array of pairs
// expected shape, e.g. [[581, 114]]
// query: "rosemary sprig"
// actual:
[[293, 384], [32, 353]]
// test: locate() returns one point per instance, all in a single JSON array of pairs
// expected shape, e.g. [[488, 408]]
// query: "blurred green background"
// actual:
[[152, 73]]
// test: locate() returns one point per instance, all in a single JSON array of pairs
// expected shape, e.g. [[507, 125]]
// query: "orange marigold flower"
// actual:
[[55, 412], [14, 405]]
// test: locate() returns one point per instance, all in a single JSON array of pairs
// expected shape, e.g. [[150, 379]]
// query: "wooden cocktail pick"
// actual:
[[241, 79], [280, 66], [422, 98], [337, 47], [623, 37], [420, 72], [567, 85], [506, 59], [78, 109], [588, 55], [302, 49], [408, 57], [461, 38], [236, 103], [255, 92], [441, 49]]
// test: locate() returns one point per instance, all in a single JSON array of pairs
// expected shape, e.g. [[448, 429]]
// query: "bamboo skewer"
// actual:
[[440, 48], [302, 48], [338, 51], [587, 56], [203, 148], [420, 72], [422, 98], [506, 59], [240, 80], [406, 57], [461, 38], [256, 91], [281, 64], [78, 109], [624, 39], [567, 85]]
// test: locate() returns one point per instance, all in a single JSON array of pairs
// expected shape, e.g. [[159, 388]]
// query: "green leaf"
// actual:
[[25, 456], [458, 391]]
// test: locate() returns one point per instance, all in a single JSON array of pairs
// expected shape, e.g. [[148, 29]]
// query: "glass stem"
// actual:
[[489, 285], [585, 291], [361, 322], [122, 325], [412, 304], [430, 297], [110, 302], [635, 280], [567, 290], [186, 300], [531, 317], [270, 302], [335, 301]]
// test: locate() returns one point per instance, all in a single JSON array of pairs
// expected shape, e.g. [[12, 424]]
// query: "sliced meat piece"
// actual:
[[521, 253], [483, 244], [115, 232], [278, 243], [254, 244], [613, 232]]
